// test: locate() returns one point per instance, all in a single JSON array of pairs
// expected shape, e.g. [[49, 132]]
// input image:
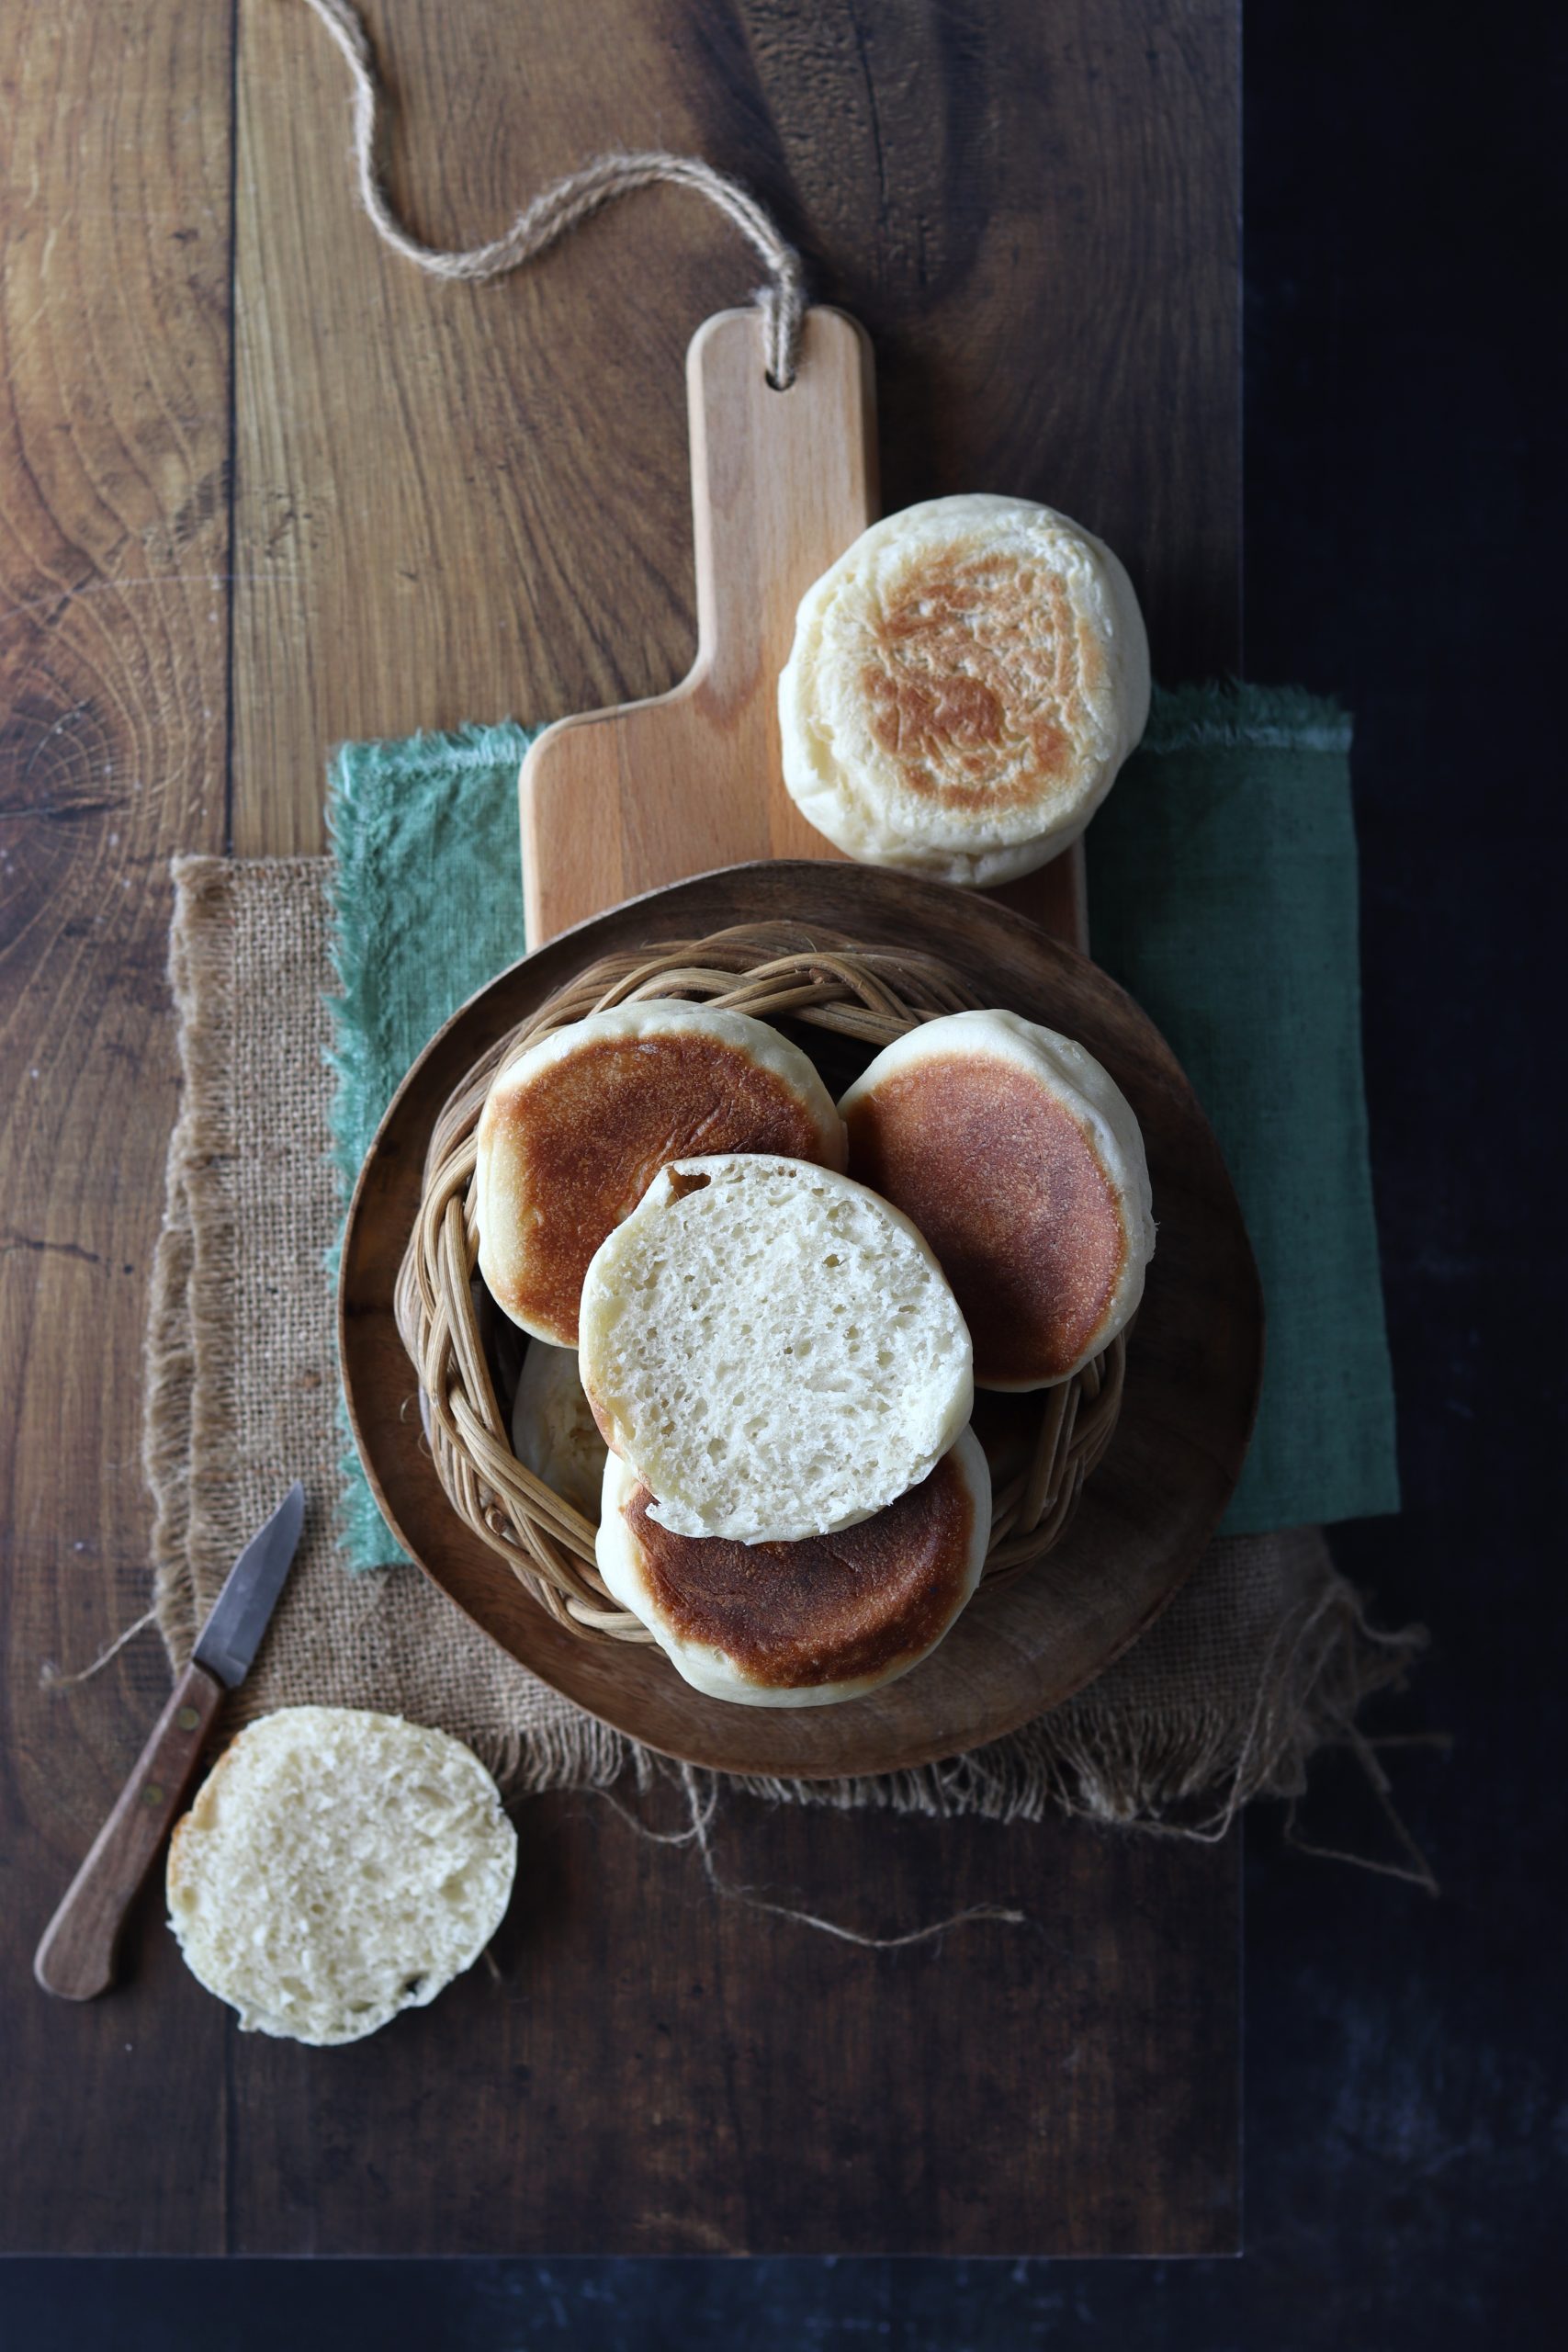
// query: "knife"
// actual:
[[77, 1955]]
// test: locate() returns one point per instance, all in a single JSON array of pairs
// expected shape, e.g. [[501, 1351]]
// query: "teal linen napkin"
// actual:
[[427, 906], [1221, 894]]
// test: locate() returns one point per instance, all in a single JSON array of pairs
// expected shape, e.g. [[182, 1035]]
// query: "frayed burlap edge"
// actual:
[[1111, 1756]]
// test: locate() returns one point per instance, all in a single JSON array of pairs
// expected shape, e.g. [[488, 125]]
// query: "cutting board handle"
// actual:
[[618, 801], [781, 482]]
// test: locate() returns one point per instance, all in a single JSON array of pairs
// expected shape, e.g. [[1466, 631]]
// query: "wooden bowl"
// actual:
[[1146, 1514]]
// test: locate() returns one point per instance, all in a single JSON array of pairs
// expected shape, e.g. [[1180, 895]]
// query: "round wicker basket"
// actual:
[[843, 1001]]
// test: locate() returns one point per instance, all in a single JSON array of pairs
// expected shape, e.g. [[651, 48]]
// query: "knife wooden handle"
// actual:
[[77, 1954]]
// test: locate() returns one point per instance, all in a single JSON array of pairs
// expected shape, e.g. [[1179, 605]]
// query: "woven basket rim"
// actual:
[[461, 1345]]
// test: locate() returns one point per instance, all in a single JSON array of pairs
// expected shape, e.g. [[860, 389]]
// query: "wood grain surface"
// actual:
[[264, 487], [1193, 1365]]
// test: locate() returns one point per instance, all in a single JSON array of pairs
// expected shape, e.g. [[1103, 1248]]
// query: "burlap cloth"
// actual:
[[1265, 1655]]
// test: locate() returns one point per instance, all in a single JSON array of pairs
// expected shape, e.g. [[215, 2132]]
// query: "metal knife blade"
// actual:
[[232, 1635]]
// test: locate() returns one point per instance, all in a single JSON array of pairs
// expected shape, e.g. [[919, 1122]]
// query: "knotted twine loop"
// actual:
[[557, 210]]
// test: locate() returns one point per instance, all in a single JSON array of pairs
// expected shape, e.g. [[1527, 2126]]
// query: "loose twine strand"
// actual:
[[702, 1803], [557, 210], [50, 1678]]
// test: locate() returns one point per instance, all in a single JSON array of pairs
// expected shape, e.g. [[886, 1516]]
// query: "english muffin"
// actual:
[[554, 1433], [1021, 1161], [338, 1866], [773, 1348], [575, 1129], [963, 685], [807, 1623]]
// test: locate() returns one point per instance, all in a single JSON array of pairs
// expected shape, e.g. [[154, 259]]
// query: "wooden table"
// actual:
[[264, 487]]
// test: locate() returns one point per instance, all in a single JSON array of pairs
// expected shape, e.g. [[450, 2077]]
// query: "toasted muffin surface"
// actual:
[[811, 1622], [963, 685], [1021, 1162], [827, 1607]]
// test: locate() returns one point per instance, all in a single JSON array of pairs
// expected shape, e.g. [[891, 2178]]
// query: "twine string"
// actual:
[[702, 1803], [557, 210], [50, 1676]]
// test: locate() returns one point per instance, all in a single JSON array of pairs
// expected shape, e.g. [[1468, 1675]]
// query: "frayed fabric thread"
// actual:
[[702, 1793], [54, 1678]]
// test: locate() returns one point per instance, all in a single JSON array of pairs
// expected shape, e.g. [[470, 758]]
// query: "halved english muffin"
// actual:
[[773, 1347], [336, 1867], [811, 1622], [554, 1433], [1022, 1163]]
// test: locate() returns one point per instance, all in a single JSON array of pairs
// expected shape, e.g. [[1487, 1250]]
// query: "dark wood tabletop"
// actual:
[[264, 487]]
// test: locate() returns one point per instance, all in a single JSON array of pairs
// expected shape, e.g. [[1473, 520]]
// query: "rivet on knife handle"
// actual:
[[76, 1957]]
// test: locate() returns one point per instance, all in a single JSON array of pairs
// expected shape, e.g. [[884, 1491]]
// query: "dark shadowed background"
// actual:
[[1406, 2094]]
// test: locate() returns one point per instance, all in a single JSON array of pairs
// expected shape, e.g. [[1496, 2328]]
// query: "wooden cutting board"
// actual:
[[616, 802]]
